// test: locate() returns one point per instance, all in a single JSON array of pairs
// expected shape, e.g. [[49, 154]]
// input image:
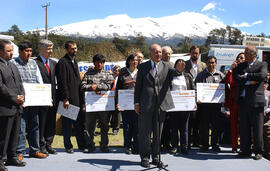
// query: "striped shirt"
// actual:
[[29, 72]]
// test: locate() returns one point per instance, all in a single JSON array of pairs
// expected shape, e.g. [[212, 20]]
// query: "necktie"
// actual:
[[154, 70], [47, 67]]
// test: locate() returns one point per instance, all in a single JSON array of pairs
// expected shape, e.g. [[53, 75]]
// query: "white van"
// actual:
[[15, 47], [226, 54]]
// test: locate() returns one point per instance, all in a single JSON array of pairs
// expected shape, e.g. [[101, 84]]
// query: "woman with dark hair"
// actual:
[[127, 80], [179, 120], [230, 101]]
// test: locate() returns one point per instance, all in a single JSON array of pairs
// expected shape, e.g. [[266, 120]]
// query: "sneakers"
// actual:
[[38, 155], [50, 150]]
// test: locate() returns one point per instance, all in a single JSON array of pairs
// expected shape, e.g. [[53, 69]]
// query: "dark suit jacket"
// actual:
[[200, 68], [68, 80], [48, 78], [10, 87], [152, 93], [254, 94]]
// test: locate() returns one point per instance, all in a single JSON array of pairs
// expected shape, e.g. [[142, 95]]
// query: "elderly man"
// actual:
[[12, 98], [47, 114], [250, 76], [152, 98], [165, 142], [166, 54], [29, 73], [194, 66]]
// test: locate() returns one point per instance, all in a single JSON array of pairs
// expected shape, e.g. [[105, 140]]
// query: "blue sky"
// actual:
[[251, 16]]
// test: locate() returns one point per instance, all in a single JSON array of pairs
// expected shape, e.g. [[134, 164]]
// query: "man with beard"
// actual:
[[194, 66], [68, 81]]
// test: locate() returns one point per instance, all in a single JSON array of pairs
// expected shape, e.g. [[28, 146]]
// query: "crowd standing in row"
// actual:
[[151, 81]]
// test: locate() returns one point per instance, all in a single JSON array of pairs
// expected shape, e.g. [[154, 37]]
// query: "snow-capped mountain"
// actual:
[[189, 24]]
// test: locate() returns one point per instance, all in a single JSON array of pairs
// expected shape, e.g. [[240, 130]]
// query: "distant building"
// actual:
[[256, 41]]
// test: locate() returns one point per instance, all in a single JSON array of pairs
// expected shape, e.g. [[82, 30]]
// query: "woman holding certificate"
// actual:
[[127, 80], [179, 119]]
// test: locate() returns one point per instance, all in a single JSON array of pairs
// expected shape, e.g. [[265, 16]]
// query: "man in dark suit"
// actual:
[[250, 76], [68, 82], [152, 99], [194, 66], [12, 98], [47, 114]]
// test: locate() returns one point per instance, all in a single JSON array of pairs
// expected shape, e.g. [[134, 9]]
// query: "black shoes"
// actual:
[[50, 150], [2, 167], [44, 151], [243, 155], [216, 149], [145, 163], [257, 157], [128, 151], [70, 150], [174, 151], [184, 151], [158, 163], [15, 162], [104, 149], [234, 150], [204, 148], [89, 150]]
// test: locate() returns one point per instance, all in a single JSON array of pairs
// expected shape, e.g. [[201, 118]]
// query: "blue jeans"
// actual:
[[29, 118]]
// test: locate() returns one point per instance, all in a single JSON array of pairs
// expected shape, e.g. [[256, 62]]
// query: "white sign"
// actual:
[[126, 99], [37, 94], [99, 102], [184, 100], [211, 92], [72, 111]]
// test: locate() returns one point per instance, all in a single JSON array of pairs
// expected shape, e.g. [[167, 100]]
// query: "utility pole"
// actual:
[[46, 21]]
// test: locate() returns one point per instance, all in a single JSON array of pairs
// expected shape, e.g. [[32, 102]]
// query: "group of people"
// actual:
[[147, 128]]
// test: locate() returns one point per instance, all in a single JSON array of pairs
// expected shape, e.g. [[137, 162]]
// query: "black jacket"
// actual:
[[68, 81], [10, 87]]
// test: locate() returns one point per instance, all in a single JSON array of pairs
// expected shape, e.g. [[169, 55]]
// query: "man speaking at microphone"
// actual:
[[152, 98]]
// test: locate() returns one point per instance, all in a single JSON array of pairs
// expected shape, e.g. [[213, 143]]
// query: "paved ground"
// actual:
[[116, 160]]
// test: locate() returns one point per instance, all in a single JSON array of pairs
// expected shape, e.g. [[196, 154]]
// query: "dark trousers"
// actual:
[[179, 122], [149, 124], [130, 129], [78, 126], [47, 123], [90, 125], [165, 141], [209, 114], [251, 117], [193, 129], [115, 118], [9, 134]]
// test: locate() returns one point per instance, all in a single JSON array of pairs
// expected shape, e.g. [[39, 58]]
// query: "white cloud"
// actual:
[[246, 24], [209, 6], [221, 9]]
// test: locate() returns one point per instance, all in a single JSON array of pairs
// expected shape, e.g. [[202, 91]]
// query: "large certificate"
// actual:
[[126, 99], [72, 111], [184, 100], [37, 94], [103, 102], [211, 92]]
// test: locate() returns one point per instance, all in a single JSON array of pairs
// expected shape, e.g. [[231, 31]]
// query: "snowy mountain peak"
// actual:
[[190, 24]]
